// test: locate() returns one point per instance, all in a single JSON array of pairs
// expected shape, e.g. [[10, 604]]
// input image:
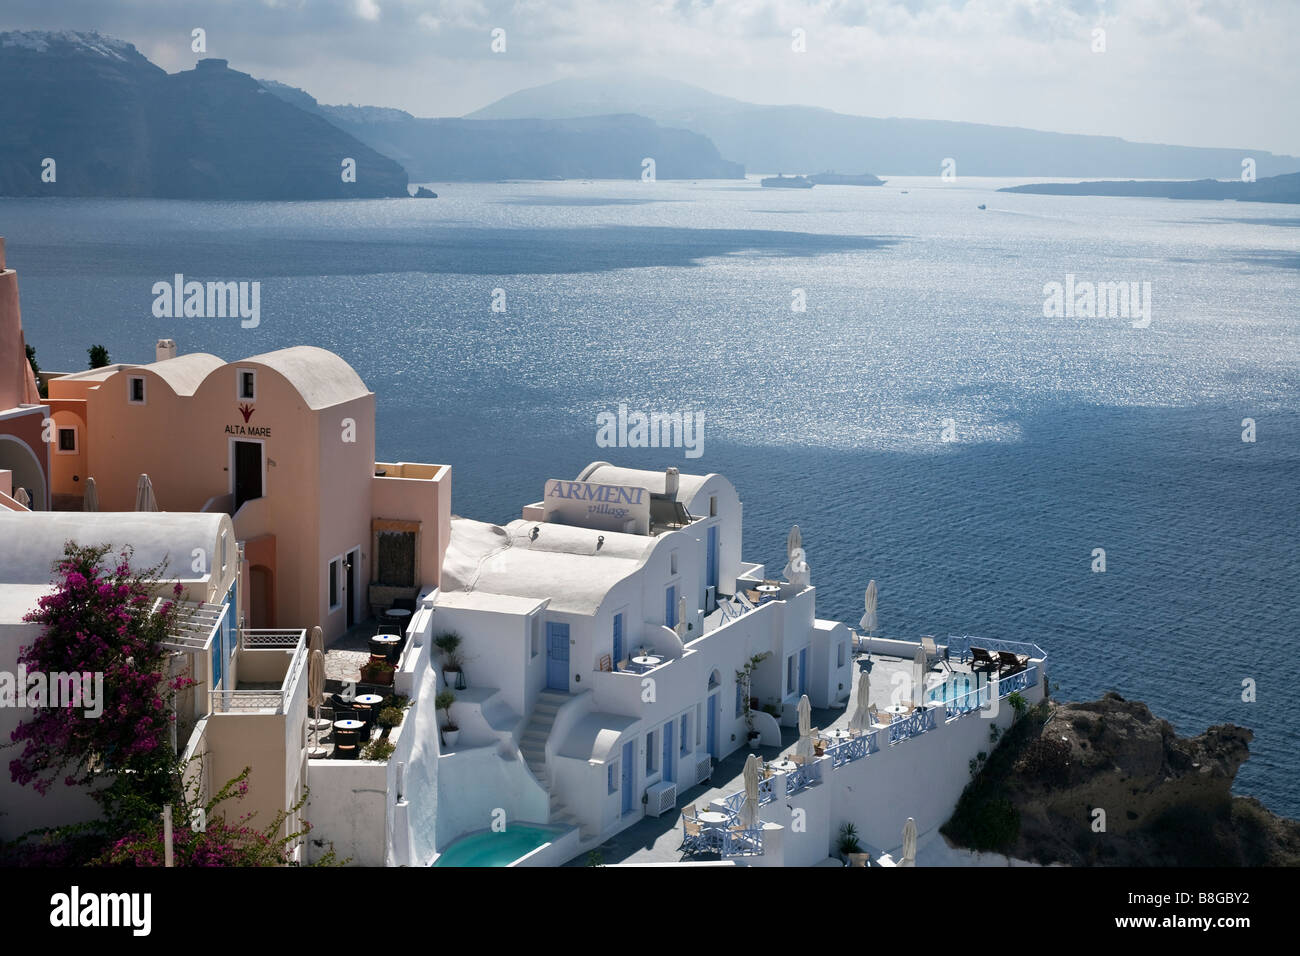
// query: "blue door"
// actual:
[[618, 638], [629, 768], [668, 752], [803, 671], [712, 729], [557, 656], [711, 559], [670, 606]]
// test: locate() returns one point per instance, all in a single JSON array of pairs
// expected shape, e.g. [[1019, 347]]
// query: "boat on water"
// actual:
[[982, 206], [787, 182]]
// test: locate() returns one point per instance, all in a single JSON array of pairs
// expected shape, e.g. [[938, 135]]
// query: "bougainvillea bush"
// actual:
[[99, 620]]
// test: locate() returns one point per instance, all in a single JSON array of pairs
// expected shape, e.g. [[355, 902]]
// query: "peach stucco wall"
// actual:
[[418, 493]]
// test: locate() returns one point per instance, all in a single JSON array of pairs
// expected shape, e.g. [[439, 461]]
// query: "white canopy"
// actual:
[[749, 809], [144, 496], [805, 745], [858, 722], [909, 843], [90, 497], [868, 622]]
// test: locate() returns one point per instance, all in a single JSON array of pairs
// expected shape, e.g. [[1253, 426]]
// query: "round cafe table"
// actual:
[[767, 592], [712, 818], [397, 615], [369, 700], [387, 645], [783, 766], [348, 727], [647, 662], [897, 710], [839, 736]]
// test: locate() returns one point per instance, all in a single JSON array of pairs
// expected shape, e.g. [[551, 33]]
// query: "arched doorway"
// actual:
[[17, 457]]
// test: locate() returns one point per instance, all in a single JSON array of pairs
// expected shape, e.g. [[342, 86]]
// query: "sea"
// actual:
[[878, 365]]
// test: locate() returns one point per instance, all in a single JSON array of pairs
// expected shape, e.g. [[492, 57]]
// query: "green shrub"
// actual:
[[389, 717], [378, 750], [848, 839]]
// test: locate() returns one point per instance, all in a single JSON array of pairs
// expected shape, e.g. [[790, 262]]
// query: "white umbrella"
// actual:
[[868, 622], [909, 843], [681, 616], [23, 498], [749, 809], [90, 497], [316, 689], [858, 722], [144, 496], [793, 542], [919, 669], [805, 745]]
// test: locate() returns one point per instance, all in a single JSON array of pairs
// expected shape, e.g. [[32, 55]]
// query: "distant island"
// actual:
[[845, 179], [89, 115], [1269, 189]]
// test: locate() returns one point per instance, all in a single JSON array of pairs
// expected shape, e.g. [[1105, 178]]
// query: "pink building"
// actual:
[[284, 443], [24, 451]]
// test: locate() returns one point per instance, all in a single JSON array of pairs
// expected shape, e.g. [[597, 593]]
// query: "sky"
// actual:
[[1192, 72]]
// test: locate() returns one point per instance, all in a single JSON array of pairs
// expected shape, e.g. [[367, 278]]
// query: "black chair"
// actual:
[[405, 604]]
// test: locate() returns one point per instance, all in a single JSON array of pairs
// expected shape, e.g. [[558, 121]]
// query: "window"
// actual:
[[652, 752], [670, 606], [67, 441], [225, 558], [135, 389], [247, 385], [713, 506], [672, 562], [611, 780], [336, 573], [840, 656], [618, 637], [685, 735], [740, 699], [789, 674]]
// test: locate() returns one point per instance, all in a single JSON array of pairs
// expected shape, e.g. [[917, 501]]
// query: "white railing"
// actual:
[[284, 638], [277, 701]]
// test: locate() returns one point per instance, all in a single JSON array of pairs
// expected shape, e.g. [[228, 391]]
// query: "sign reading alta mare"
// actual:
[[247, 430]]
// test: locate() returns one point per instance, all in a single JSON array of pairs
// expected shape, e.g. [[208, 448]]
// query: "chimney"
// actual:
[[671, 482], [166, 349]]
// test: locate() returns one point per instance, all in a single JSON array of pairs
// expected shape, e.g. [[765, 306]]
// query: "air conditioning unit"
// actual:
[[710, 598], [703, 767], [661, 798]]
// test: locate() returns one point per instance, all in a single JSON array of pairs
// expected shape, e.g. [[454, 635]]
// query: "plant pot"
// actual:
[[450, 735], [754, 738]]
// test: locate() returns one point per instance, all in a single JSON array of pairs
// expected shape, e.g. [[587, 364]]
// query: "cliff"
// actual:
[[591, 147], [117, 125], [1167, 800]]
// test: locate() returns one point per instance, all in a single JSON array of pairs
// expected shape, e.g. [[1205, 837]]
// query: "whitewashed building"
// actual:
[[604, 635]]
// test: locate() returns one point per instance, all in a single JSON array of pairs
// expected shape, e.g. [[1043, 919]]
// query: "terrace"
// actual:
[[268, 665]]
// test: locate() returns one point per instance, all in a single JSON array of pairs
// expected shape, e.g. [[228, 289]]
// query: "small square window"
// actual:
[[247, 385], [336, 570], [135, 390], [67, 440], [651, 752]]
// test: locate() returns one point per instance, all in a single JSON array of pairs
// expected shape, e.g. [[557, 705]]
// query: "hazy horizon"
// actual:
[[1215, 73]]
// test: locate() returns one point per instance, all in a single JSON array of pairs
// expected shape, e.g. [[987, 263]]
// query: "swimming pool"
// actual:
[[497, 848], [965, 689]]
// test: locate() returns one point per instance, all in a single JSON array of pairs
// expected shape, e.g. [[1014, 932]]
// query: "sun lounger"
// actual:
[[1013, 662], [982, 659]]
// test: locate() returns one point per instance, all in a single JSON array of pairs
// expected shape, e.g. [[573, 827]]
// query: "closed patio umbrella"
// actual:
[[144, 496], [858, 722], [681, 616], [749, 809], [868, 622], [805, 745], [90, 497], [909, 843], [793, 543], [316, 691], [919, 668]]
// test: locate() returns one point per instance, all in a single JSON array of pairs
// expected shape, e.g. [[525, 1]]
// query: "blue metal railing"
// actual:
[[802, 778], [1018, 682], [747, 842], [918, 722], [853, 749]]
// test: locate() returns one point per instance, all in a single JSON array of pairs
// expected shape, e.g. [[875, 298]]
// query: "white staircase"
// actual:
[[532, 745]]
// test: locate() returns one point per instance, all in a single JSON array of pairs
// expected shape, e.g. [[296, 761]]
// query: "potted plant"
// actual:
[[377, 671], [744, 677], [443, 702], [389, 717], [452, 666], [848, 841]]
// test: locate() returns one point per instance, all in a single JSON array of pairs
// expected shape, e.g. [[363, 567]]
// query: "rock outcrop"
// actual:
[[1107, 782]]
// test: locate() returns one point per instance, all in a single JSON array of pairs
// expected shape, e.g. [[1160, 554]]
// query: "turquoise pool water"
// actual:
[[496, 848], [959, 688]]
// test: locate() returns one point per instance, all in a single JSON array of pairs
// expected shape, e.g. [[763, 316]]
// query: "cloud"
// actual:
[[1198, 72]]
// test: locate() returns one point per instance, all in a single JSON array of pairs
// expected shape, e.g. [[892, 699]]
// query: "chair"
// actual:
[[688, 812], [1015, 662], [625, 665], [932, 655], [798, 758], [605, 663], [405, 604], [694, 839], [980, 658]]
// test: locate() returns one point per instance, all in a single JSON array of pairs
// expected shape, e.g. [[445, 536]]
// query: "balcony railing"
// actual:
[[263, 700], [959, 646], [283, 638], [802, 778], [918, 722], [746, 842], [853, 749]]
